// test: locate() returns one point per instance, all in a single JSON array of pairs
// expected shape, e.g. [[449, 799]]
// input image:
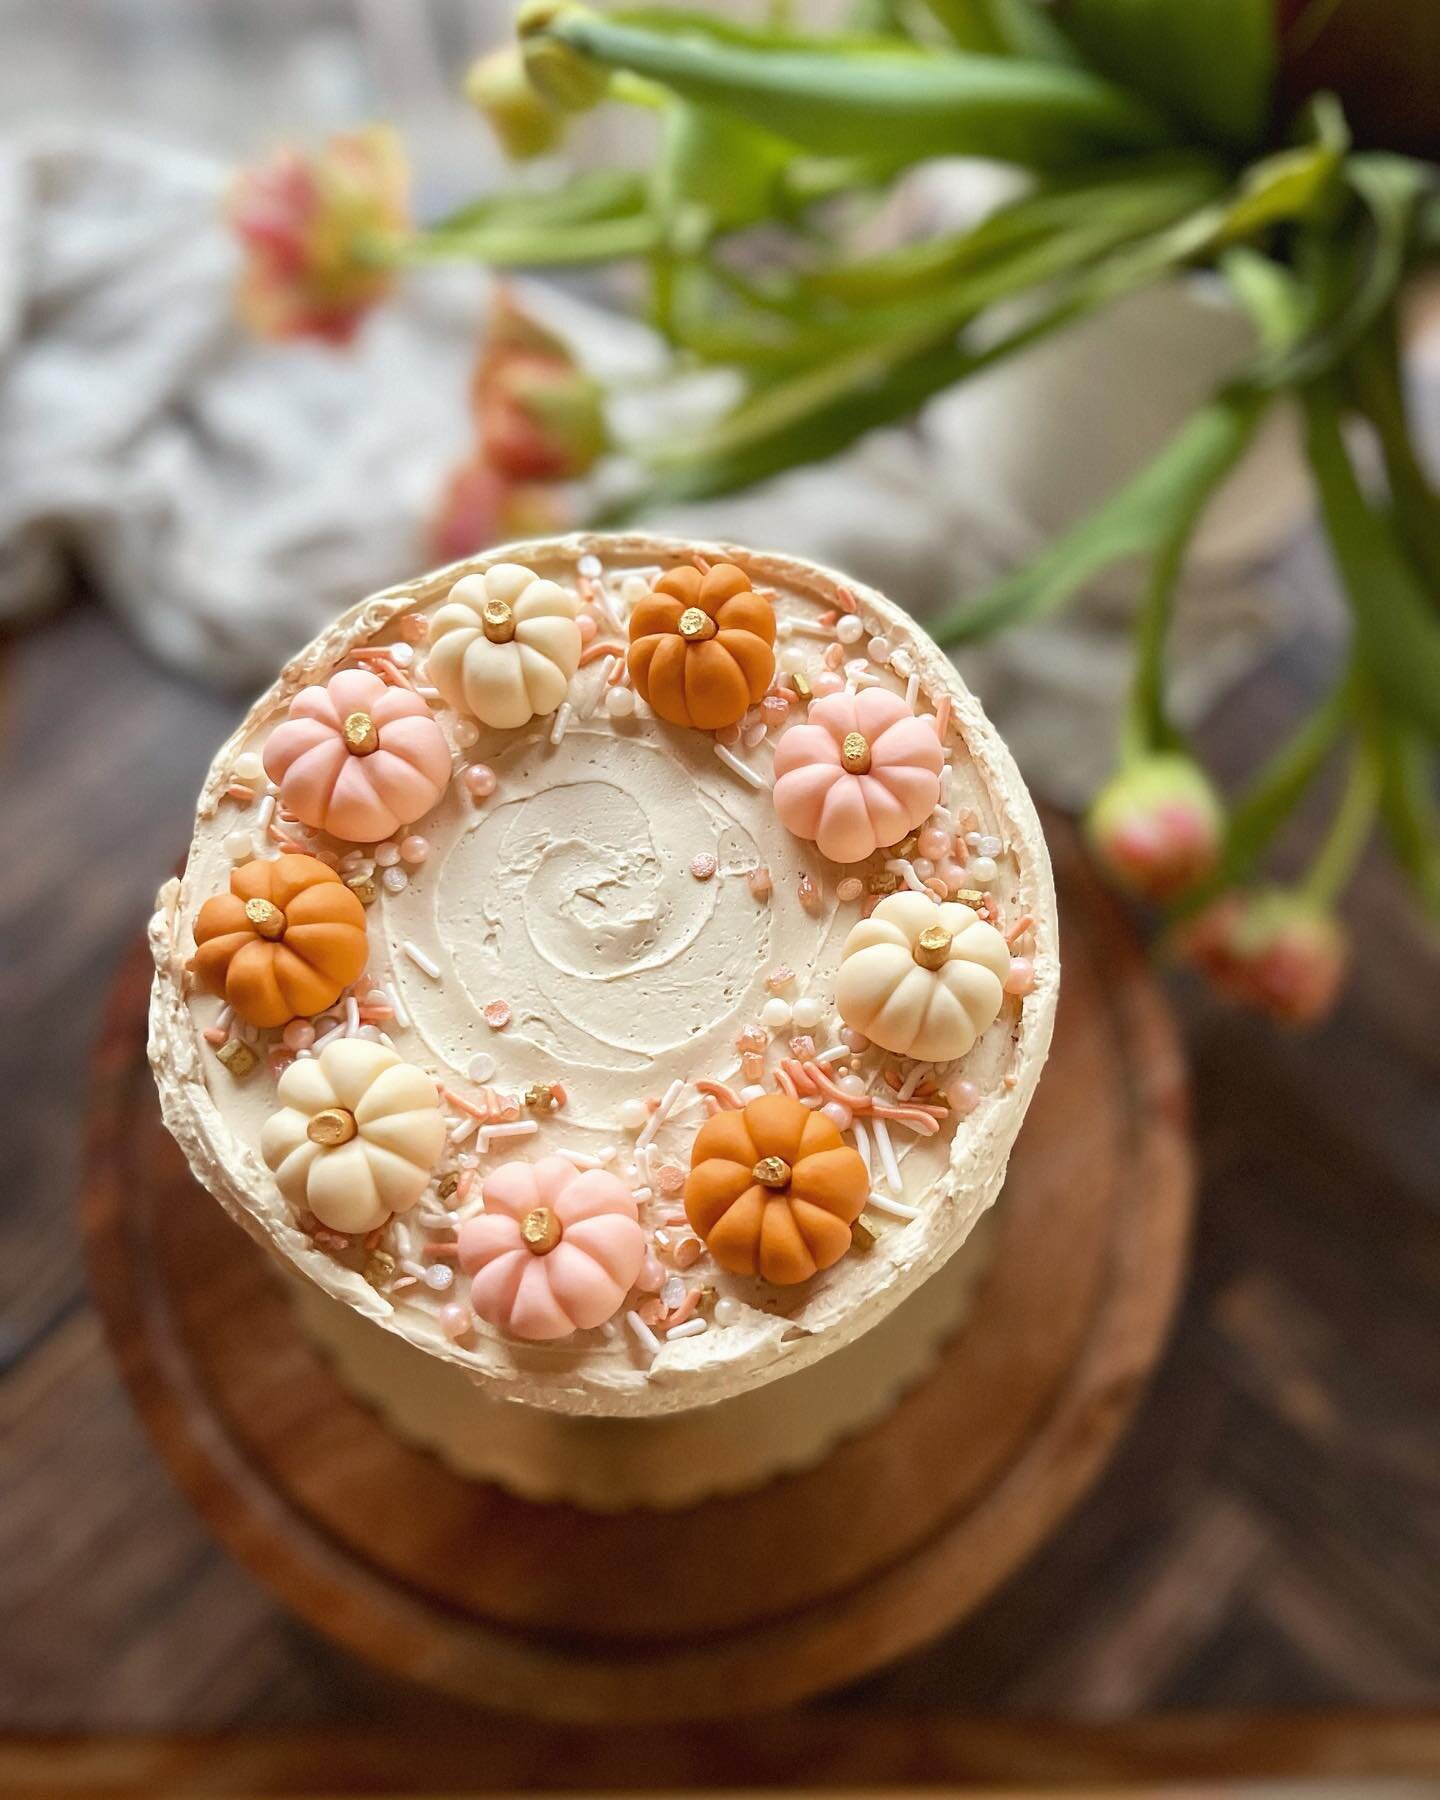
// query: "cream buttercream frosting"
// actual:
[[599, 921]]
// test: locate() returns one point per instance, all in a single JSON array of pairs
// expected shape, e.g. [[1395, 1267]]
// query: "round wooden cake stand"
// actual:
[[736, 1604]]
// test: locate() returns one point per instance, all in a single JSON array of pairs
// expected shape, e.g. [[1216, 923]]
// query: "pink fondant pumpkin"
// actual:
[[357, 758], [862, 771], [555, 1250]]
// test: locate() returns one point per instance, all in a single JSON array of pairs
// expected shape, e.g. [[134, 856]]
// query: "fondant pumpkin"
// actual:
[[920, 979], [555, 1250], [860, 772], [357, 1136], [357, 758], [701, 646], [773, 1190], [284, 943], [504, 645]]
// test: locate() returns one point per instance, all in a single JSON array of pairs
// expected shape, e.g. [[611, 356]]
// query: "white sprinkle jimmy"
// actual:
[[426, 964]]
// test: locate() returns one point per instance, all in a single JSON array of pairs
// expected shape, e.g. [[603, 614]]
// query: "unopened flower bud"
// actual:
[[1157, 826]]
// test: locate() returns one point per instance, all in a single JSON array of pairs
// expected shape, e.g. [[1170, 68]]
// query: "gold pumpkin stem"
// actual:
[[855, 753], [696, 625], [932, 947], [772, 1172], [360, 734], [265, 918], [498, 621], [331, 1126], [540, 1231]]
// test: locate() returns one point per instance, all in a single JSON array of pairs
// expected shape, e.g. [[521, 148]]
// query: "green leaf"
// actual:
[[1150, 513], [598, 194], [1002, 28], [593, 218], [1262, 808], [829, 99], [726, 170], [1354, 275], [1210, 64], [1373, 372], [1397, 633], [1269, 293], [1408, 810], [1067, 220], [822, 411]]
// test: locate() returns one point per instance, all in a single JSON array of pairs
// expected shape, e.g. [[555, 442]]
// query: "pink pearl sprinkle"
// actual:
[[826, 684], [758, 881], [728, 735], [455, 1321], [414, 849], [854, 1041], [1021, 977], [838, 1114], [651, 1278], [951, 873], [496, 1014], [480, 779], [299, 1035], [586, 626], [834, 656], [851, 888], [703, 866], [962, 1096], [934, 843]]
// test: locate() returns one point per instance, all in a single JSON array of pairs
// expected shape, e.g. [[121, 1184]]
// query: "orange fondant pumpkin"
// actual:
[[701, 646], [774, 1190], [284, 943]]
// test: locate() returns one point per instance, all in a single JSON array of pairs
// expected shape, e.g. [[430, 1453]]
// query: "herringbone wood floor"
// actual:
[[1269, 1535]]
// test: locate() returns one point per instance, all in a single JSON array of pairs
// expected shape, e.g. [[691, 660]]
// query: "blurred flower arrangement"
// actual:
[[1285, 148]]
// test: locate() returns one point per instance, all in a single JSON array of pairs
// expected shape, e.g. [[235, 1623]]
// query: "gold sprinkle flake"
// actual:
[[380, 1267], [237, 1056], [448, 1184], [800, 681], [365, 888], [862, 1238], [883, 881], [969, 896], [540, 1096]]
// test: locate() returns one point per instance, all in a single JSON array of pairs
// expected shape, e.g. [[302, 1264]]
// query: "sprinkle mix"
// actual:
[[827, 719]]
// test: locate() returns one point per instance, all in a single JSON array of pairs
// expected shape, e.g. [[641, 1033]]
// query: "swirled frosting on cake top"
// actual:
[[587, 934]]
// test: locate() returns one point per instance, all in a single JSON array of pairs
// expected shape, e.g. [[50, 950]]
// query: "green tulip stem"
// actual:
[[1349, 832]]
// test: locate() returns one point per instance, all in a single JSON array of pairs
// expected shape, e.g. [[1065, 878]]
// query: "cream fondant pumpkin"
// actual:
[[357, 1136], [920, 979], [505, 645], [860, 772], [555, 1250], [357, 758]]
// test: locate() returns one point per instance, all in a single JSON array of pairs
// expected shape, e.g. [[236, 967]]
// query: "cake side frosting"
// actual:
[[599, 921]]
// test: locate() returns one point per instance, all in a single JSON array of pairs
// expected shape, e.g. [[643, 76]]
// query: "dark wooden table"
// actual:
[[1268, 1537]]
